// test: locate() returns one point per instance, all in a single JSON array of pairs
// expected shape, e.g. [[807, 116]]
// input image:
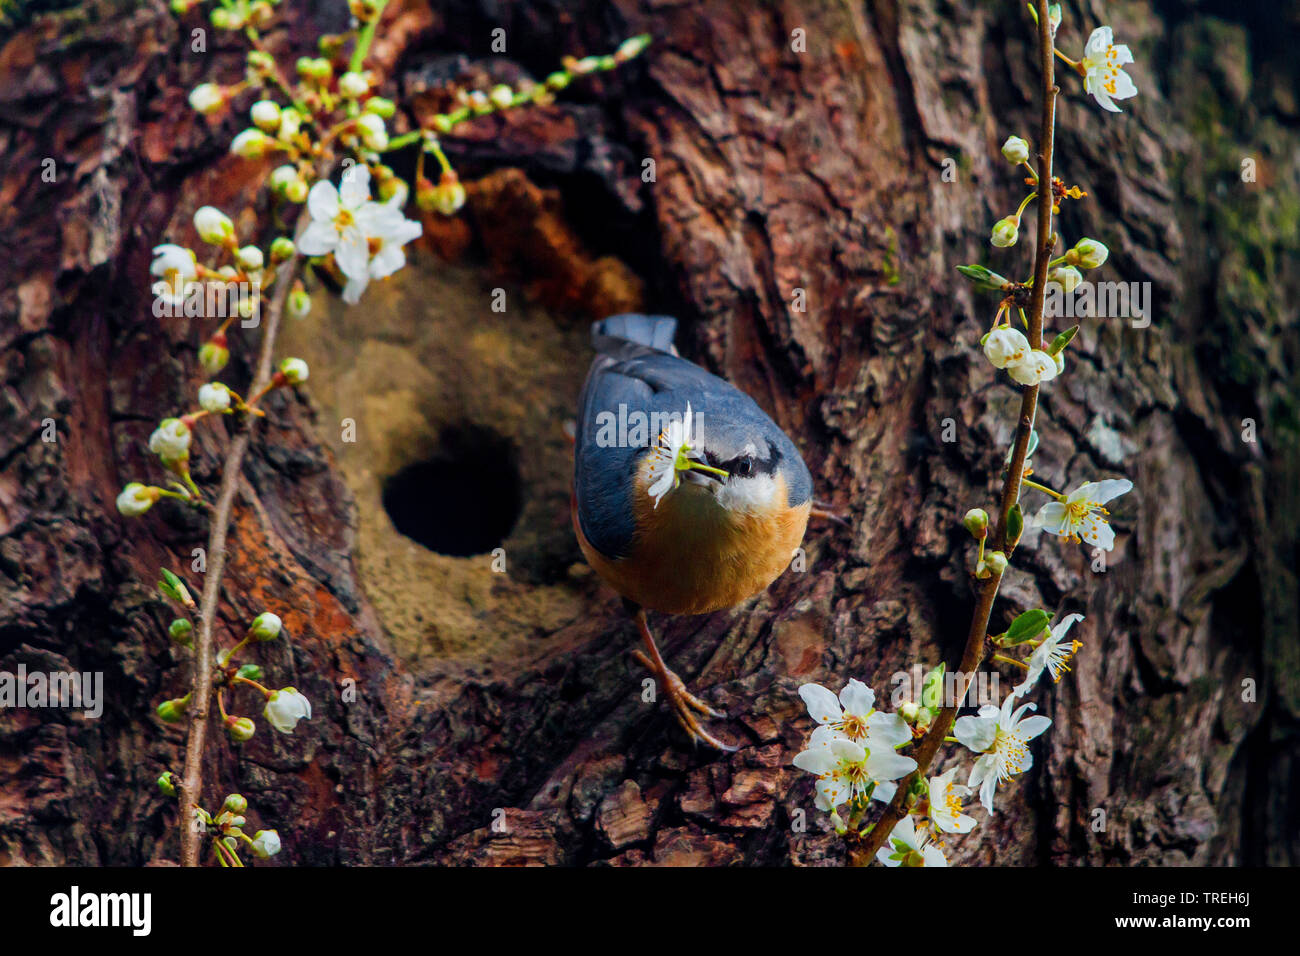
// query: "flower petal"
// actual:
[[857, 698], [323, 202], [823, 706]]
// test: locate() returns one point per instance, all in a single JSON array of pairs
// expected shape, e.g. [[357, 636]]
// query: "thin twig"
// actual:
[[972, 657], [192, 781]]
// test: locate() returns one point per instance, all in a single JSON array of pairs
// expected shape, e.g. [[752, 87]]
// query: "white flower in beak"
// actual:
[[1001, 738], [1081, 515], [1052, 655], [1103, 75], [673, 455]]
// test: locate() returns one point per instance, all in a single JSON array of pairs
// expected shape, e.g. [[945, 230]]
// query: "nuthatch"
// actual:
[[687, 498]]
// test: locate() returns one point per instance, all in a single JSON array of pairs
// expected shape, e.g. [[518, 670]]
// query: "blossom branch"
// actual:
[[192, 780], [863, 850]]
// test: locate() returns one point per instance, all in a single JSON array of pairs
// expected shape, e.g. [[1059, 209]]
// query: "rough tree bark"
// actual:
[[775, 170]]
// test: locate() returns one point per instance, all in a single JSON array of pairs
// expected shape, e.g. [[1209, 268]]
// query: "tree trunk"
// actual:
[[467, 716]]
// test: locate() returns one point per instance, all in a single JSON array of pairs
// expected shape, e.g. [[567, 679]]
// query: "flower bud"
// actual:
[[250, 144], [299, 303], [235, 803], [173, 711], [250, 259], [633, 46], [181, 631], [1067, 277], [909, 711], [281, 249], [266, 843], [240, 729], [380, 107], [995, 562], [281, 177], [266, 115], [250, 672], [136, 499], [259, 61], [1037, 367], [1005, 346], [213, 354], [1005, 232], [372, 131], [214, 226], [977, 522], [449, 195], [294, 370], [353, 85], [290, 124], [166, 784], [170, 441], [174, 589], [1088, 253], [296, 191], [214, 397], [265, 627], [207, 98], [501, 96], [1015, 149]]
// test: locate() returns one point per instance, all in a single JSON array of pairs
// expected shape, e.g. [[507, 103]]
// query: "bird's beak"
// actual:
[[706, 476]]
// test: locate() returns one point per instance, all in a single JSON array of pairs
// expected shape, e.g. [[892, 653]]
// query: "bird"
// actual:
[[687, 498]]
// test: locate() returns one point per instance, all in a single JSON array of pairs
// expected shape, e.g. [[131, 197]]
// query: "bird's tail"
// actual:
[[649, 331]]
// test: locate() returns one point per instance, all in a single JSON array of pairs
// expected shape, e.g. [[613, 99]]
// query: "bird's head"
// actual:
[[739, 467]]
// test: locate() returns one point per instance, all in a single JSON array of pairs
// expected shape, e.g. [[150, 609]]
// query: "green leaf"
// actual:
[[1029, 452], [1062, 340], [932, 689], [1026, 627], [1015, 525], [984, 279]]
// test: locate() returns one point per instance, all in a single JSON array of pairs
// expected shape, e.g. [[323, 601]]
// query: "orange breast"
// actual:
[[690, 556]]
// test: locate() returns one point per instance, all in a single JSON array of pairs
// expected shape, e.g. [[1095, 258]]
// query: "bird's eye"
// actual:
[[744, 467]]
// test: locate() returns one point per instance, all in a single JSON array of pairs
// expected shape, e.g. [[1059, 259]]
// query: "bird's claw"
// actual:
[[683, 702]]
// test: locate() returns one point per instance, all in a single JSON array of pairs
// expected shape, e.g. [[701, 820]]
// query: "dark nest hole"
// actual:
[[464, 499]]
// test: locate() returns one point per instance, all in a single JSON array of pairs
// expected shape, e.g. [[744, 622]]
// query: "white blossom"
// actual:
[[670, 456], [1082, 515], [906, 848], [1034, 369], [1001, 738], [847, 769], [1006, 346], [1052, 655], [177, 267], [284, 708], [946, 810], [1103, 75]]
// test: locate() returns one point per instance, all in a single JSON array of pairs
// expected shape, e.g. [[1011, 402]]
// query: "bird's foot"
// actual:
[[685, 705], [824, 512]]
